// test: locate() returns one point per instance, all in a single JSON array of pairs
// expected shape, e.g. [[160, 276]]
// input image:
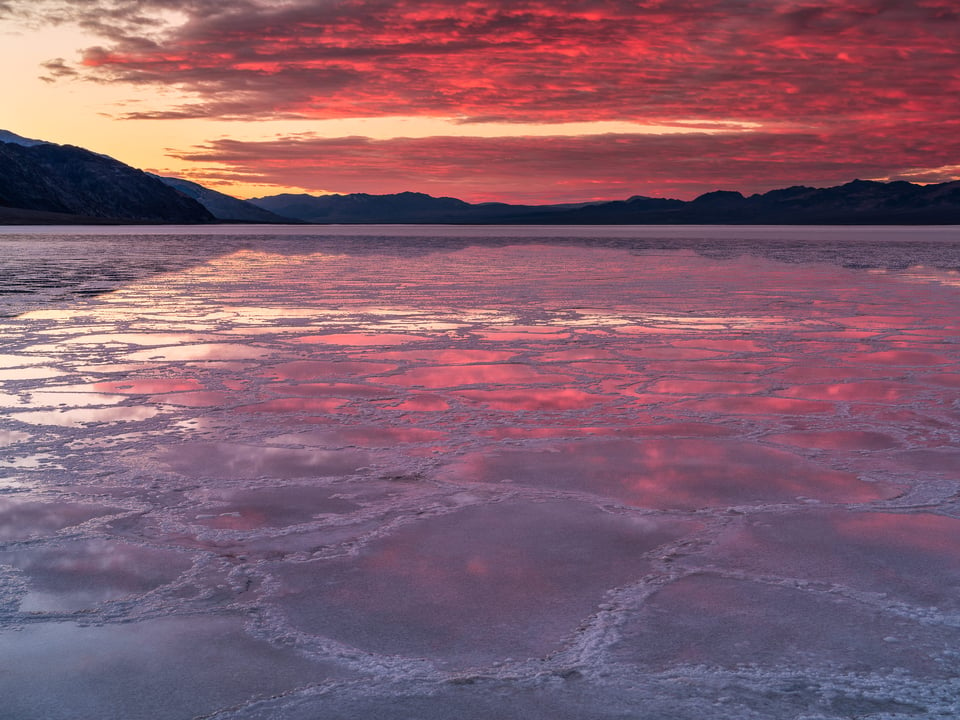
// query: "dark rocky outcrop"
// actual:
[[49, 178]]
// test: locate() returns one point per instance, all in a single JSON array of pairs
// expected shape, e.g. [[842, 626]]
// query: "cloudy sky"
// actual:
[[515, 100]]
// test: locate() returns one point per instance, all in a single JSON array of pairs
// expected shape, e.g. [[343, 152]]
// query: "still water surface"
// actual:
[[422, 472]]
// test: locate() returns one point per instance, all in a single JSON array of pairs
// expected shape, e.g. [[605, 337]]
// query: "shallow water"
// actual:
[[421, 472]]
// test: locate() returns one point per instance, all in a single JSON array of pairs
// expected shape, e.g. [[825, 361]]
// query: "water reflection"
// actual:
[[227, 460], [321, 370], [910, 557], [503, 452], [339, 390], [86, 416], [207, 351], [667, 473], [81, 574], [835, 440], [359, 339], [454, 376], [451, 356], [247, 509], [470, 587], [371, 436], [706, 620], [148, 386], [867, 391], [532, 399], [24, 519], [160, 669]]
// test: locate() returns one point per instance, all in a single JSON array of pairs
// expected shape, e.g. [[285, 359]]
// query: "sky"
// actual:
[[512, 100]]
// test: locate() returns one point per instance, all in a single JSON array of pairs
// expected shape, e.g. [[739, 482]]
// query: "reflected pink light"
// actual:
[[208, 398], [243, 509], [519, 433], [423, 403], [453, 376], [670, 353], [509, 336], [578, 354], [902, 555], [723, 344], [450, 356], [206, 351], [667, 473], [835, 440], [533, 399], [903, 358], [148, 386], [341, 390], [363, 435], [228, 460], [602, 368], [706, 367], [868, 391], [322, 370], [471, 586], [358, 339], [760, 405], [20, 520], [680, 429], [807, 373], [951, 380], [296, 405], [696, 387]]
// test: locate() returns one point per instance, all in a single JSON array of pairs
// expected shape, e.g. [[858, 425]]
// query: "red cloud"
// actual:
[[764, 60], [840, 88], [550, 169]]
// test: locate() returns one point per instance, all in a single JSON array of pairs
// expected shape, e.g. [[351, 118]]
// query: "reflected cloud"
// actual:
[[532, 399], [322, 370], [835, 440], [242, 509], [470, 587], [84, 573], [195, 353], [371, 436], [358, 339], [86, 416], [455, 376], [889, 553], [226, 460], [24, 519], [667, 473]]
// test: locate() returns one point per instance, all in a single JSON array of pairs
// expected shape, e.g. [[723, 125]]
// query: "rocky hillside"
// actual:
[[48, 178]]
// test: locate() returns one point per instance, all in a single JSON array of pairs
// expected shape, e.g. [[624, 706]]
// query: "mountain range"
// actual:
[[42, 182]]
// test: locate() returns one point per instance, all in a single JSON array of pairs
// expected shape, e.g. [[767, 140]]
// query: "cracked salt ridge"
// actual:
[[278, 502]]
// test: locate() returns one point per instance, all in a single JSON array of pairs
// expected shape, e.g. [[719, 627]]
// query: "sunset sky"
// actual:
[[516, 100]]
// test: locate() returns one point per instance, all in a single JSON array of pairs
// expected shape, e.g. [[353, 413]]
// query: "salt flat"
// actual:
[[424, 472]]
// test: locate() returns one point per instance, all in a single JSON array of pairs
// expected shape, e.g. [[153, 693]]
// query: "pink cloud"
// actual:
[[840, 88], [534, 61], [546, 169]]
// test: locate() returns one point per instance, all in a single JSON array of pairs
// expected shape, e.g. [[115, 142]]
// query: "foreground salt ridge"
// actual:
[[417, 487]]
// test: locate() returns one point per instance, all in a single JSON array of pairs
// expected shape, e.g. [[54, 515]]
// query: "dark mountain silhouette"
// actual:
[[858, 202], [42, 182], [223, 207], [406, 207], [82, 186]]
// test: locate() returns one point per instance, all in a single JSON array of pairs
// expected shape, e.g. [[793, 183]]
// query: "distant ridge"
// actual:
[[860, 202]]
